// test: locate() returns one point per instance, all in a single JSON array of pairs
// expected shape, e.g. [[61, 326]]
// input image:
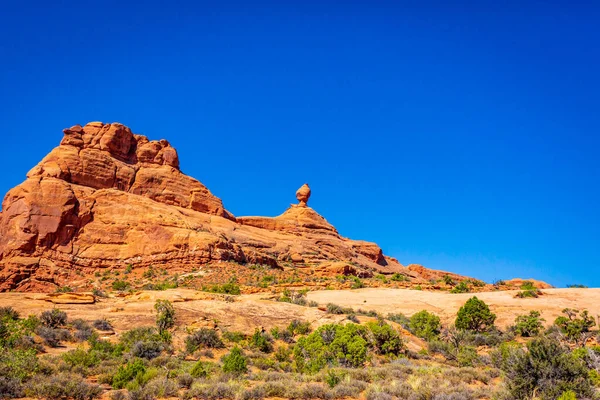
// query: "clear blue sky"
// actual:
[[460, 136]]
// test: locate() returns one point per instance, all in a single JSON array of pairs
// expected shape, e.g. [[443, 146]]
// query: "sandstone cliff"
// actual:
[[106, 197]]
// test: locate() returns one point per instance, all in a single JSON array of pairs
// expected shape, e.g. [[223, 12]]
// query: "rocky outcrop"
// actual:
[[107, 197]]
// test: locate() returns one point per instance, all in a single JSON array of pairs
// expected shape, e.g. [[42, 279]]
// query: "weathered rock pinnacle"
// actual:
[[303, 194]]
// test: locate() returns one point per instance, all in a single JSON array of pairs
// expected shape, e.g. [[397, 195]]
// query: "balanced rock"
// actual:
[[303, 194]]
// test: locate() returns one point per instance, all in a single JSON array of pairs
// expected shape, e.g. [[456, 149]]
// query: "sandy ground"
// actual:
[[504, 303], [197, 309]]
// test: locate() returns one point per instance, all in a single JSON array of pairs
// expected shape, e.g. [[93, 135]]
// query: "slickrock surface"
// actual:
[[106, 197]]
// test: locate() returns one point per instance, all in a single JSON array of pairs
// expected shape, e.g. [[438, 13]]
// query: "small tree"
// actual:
[[475, 316], [575, 328], [165, 315], [235, 362], [529, 325], [425, 325]]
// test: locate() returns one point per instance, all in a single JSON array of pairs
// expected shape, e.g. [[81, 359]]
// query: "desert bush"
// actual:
[[53, 318], [203, 337], [202, 369], [425, 325], [159, 388], [261, 341], [461, 287], [528, 285], [127, 373], [10, 388], [52, 337], [8, 313], [234, 362], [62, 385], [332, 344], [353, 318], [529, 325], [17, 363], [336, 309], [81, 358], [573, 326], [547, 369], [475, 316], [233, 336], [400, 319], [120, 285], [299, 327], [213, 391], [467, 356], [385, 339], [147, 349], [185, 380], [105, 347], [102, 324], [141, 334], [231, 288], [83, 330], [398, 277]]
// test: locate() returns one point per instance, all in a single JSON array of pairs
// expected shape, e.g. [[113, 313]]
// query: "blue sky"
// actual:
[[462, 136]]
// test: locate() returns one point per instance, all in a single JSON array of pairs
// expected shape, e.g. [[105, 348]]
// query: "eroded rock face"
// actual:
[[108, 197]]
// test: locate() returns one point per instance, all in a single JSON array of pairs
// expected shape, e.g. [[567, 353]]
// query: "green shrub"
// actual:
[[398, 277], [425, 325], [227, 288], [234, 336], [332, 344], [462, 287], [62, 385], [81, 358], [120, 285], [203, 337], [18, 364], [528, 285], [528, 294], [128, 372], [385, 339], [467, 356], [568, 395], [356, 283], [141, 334], [577, 286], [448, 281], [234, 362], [53, 318], [475, 316], [336, 309], [202, 369], [529, 325], [261, 341], [572, 326], [299, 327], [547, 369]]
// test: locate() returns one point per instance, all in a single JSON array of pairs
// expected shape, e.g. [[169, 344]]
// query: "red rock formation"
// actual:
[[108, 197]]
